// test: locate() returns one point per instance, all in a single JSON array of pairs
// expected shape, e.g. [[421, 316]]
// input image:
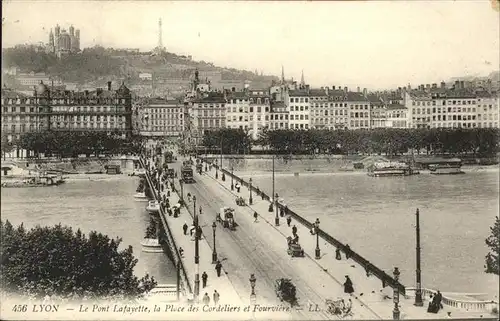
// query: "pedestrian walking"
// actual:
[[216, 297], [206, 299], [347, 251], [348, 287], [204, 278], [294, 230], [201, 210], [237, 186], [337, 254], [218, 268], [199, 232], [255, 216], [185, 228], [181, 252], [289, 220]]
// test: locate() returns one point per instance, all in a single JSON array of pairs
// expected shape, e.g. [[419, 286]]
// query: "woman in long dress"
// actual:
[[348, 287]]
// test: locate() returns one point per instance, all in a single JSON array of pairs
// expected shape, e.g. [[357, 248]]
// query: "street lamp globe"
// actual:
[[252, 282], [214, 226]]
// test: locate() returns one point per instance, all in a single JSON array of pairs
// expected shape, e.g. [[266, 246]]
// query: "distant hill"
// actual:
[[99, 64]]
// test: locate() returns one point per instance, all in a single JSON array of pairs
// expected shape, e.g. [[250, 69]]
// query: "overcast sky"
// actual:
[[368, 44]]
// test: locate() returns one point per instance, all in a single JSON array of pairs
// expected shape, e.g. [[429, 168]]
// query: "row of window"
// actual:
[[444, 102], [246, 109], [331, 105], [360, 123], [452, 110], [299, 99], [166, 116], [30, 101], [251, 100], [84, 109], [174, 110], [210, 105], [330, 120], [341, 112]]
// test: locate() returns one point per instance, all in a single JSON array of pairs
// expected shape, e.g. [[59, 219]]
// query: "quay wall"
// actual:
[[350, 159], [76, 165], [171, 246], [374, 270]]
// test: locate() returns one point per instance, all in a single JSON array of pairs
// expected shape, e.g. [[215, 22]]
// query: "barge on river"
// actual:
[[452, 166], [383, 169]]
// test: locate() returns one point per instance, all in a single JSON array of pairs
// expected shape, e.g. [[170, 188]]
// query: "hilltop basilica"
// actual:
[[62, 43]]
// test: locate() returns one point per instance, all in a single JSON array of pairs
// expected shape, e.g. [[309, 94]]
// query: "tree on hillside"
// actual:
[[57, 261], [493, 242]]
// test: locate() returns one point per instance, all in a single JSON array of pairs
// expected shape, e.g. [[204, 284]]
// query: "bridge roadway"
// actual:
[[259, 248], [316, 280]]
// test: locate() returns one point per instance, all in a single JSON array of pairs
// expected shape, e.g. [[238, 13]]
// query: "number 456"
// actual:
[[20, 308]]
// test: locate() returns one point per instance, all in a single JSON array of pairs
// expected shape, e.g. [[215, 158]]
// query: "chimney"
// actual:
[[428, 86], [86, 93], [358, 90], [307, 88], [457, 84], [462, 85], [345, 89], [365, 92], [443, 85], [109, 85], [326, 90], [434, 86], [333, 87]]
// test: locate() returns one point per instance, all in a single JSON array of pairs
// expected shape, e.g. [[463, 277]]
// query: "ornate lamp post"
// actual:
[[232, 171], [250, 200], [276, 219], [317, 252], [395, 312], [194, 206], [418, 291], [271, 205], [182, 190], [196, 255], [214, 252], [253, 297]]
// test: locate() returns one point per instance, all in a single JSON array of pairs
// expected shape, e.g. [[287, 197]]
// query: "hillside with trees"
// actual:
[[96, 63]]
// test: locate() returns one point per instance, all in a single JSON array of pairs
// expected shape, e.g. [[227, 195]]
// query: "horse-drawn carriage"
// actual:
[[294, 248], [240, 201], [226, 217]]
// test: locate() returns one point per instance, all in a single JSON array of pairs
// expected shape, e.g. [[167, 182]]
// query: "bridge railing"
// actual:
[[185, 284], [476, 305], [383, 276]]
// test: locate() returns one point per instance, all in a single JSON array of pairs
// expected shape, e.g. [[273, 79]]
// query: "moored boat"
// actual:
[[153, 207], [151, 246], [383, 169], [140, 196], [446, 169]]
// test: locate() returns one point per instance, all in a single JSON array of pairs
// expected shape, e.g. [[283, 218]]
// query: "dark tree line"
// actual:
[[478, 141], [230, 140], [493, 242], [58, 261], [71, 144]]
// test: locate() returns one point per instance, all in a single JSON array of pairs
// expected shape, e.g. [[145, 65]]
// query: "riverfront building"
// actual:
[[288, 105], [457, 107], [162, 118], [62, 110]]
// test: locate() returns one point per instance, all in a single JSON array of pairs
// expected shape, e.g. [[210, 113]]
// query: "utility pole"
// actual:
[[418, 292]]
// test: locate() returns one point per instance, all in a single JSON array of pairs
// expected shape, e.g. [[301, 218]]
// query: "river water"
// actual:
[[105, 205], [376, 216]]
